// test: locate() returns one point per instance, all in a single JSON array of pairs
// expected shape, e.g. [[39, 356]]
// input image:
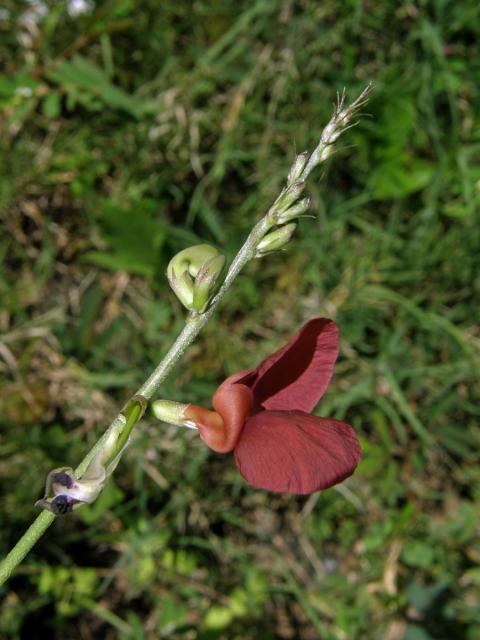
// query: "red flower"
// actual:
[[263, 416]]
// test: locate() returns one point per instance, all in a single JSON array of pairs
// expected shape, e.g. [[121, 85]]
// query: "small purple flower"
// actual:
[[65, 493]]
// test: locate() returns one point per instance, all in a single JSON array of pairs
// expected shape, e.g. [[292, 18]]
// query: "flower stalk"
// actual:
[[119, 432]]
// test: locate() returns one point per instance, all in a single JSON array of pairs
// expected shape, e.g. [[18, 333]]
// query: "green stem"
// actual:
[[26, 542], [339, 122], [196, 323], [190, 331]]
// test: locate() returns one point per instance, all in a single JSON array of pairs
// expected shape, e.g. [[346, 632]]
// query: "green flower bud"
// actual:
[[193, 274], [297, 167], [295, 211], [288, 197], [205, 282], [182, 285], [171, 412], [275, 240]]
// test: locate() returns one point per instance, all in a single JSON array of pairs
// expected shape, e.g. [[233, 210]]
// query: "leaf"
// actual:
[[51, 105], [79, 75], [422, 596], [134, 238], [218, 618], [414, 632], [397, 172], [172, 613], [473, 575], [400, 177], [89, 313], [7, 87], [395, 124], [418, 554]]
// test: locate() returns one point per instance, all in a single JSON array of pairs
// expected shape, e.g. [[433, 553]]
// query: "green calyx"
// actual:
[[297, 167], [193, 274], [289, 196], [171, 412], [295, 211], [275, 240]]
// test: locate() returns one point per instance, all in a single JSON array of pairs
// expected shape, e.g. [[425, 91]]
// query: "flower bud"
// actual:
[[193, 274], [297, 167], [295, 211], [172, 413], [288, 197], [182, 285], [205, 282], [64, 492], [275, 240]]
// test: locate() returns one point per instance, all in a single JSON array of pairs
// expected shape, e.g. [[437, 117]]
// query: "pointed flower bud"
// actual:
[[295, 211], [288, 197], [275, 240], [297, 167], [193, 274]]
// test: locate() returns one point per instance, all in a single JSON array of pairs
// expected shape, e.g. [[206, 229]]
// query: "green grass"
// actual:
[[142, 127]]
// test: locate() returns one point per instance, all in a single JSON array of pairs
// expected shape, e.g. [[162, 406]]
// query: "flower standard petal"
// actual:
[[293, 452], [298, 374]]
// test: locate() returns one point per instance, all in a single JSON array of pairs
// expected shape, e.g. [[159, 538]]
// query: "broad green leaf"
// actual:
[[134, 239], [400, 177], [79, 74], [51, 105]]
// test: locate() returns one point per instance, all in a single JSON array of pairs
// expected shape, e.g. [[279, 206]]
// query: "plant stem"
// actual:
[[196, 323], [26, 542], [190, 331], [338, 123]]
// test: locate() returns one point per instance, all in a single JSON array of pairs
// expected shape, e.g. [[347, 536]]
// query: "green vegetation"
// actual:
[[137, 128]]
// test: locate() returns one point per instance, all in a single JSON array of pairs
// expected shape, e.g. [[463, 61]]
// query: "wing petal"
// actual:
[[294, 452]]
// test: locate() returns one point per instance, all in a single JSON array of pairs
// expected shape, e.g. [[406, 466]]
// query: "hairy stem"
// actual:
[[340, 120]]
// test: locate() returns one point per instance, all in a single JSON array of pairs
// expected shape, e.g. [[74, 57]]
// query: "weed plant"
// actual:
[[134, 129]]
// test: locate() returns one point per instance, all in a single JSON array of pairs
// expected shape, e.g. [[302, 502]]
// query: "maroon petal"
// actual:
[[220, 429], [295, 452], [297, 376]]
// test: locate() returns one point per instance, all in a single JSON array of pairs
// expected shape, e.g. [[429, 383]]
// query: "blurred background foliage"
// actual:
[[131, 129]]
